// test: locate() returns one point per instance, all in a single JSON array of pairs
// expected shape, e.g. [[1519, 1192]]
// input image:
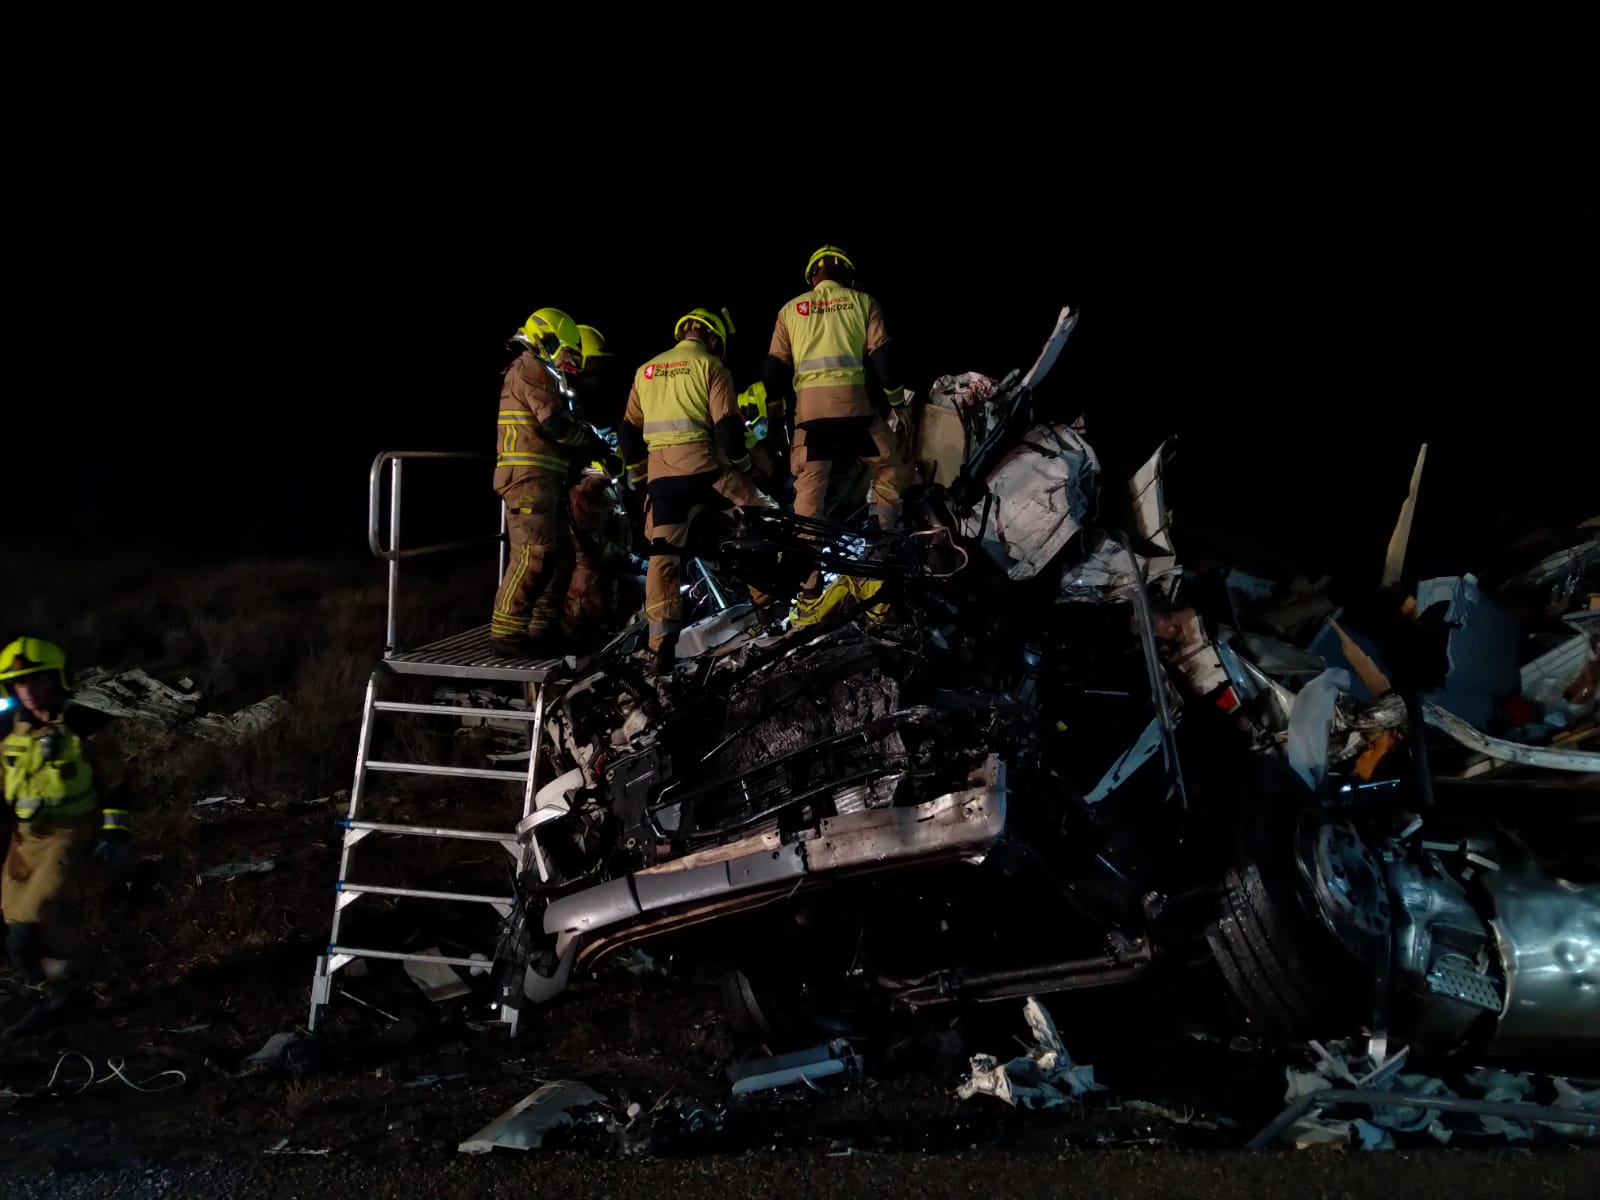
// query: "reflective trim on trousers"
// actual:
[[545, 462]]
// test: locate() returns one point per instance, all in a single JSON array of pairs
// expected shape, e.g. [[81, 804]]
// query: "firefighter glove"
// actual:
[[115, 851]]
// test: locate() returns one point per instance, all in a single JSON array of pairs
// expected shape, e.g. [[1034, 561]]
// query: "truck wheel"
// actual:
[[1288, 971]]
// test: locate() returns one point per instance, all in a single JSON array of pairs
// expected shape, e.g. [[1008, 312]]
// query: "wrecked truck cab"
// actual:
[[1028, 753], [983, 716]]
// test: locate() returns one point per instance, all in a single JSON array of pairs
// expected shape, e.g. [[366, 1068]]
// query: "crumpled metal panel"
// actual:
[[1553, 757], [959, 822], [966, 820], [1548, 932], [1042, 491], [523, 1126], [1483, 652], [1108, 574]]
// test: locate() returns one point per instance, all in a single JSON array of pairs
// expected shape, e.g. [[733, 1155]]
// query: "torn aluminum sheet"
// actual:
[[1148, 491], [1563, 568], [1127, 764], [136, 694], [437, 980], [242, 725], [133, 694], [1042, 491], [941, 444], [212, 801], [715, 630], [1109, 573], [1483, 651], [1550, 757], [524, 1125], [1046, 1077], [1066, 322], [1500, 1104], [1578, 1102], [1278, 659], [1311, 723], [272, 1054], [1548, 682], [802, 1066], [235, 869]]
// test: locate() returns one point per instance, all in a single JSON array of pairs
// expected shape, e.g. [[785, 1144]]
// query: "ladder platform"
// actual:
[[467, 656]]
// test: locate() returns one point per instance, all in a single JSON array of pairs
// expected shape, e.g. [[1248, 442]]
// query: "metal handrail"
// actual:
[[394, 553]]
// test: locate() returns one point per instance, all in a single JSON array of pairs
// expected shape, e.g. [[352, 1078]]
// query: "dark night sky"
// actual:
[[242, 255]]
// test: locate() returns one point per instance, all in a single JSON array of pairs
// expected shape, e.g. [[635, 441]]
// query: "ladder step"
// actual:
[[515, 714], [397, 956], [371, 889], [468, 835], [453, 772]]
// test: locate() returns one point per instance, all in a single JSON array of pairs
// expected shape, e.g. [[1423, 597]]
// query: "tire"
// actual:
[[1288, 973]]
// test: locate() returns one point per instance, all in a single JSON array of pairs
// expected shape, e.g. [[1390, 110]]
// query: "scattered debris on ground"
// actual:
[[1045, 1077], [1321, 847]]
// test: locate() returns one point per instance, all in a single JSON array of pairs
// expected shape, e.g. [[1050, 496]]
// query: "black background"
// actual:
[[247, 248]]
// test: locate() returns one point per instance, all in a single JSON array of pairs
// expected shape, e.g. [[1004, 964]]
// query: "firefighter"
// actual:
[[683, 439], [822, 344], [540, 444], [764, 439], [64, 789], [601, 534]]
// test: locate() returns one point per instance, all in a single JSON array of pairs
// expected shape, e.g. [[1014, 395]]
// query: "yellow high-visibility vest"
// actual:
[[46, 772], [828, 336], [675, 393]]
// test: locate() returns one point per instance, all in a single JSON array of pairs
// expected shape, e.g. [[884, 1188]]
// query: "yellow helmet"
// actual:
[[32, 656], [753, 408], [721, 326], [555, 338], [594, 343], [832, 252]]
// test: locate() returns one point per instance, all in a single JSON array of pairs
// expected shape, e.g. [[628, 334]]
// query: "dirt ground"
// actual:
[[195, 974], [1322, 1176]]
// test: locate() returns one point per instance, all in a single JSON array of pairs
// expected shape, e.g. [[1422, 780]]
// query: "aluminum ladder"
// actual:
[[463, 657]]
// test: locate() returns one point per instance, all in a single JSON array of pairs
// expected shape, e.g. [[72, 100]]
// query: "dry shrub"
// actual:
[[309, 631]]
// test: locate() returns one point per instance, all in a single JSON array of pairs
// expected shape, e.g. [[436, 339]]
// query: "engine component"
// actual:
[[632, 783], [1443, 956]]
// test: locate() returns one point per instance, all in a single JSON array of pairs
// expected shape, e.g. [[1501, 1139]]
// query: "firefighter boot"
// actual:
[[666, 657]]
